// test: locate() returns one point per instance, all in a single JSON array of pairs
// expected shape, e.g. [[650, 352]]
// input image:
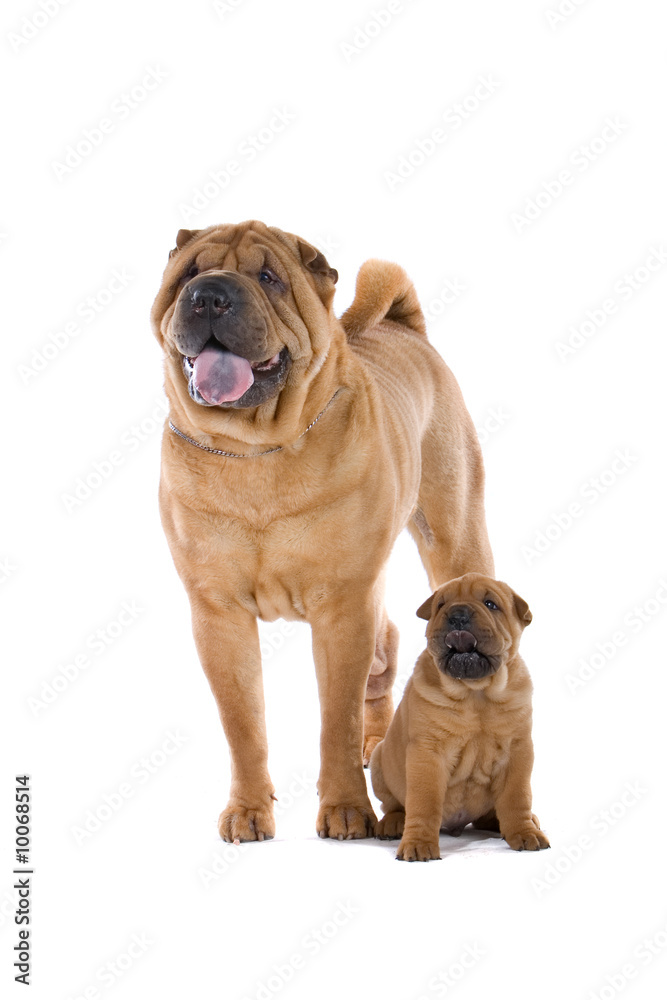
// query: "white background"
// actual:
[[559, 923]]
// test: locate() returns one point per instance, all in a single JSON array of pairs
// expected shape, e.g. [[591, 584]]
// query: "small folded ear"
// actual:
[[425, 610], [316, 262], [523, 612], [183, 236]]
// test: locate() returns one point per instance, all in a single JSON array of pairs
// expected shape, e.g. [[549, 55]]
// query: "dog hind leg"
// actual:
[[379, 705], [390, 827]]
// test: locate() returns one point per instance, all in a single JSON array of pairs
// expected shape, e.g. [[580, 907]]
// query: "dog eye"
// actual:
[[268, 277], [192, 273], [491, 604]]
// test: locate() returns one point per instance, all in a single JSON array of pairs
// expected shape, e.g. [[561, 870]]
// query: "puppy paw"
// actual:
[[346, 822], [528, 838], [411, 849], [242, 823], [370, 743], [390, 827]]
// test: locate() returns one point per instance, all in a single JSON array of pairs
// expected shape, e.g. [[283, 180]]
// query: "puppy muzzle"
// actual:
[[458, 655]]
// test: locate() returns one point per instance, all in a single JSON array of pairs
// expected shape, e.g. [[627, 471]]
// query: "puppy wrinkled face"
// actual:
[[474, 625], [227, 312]]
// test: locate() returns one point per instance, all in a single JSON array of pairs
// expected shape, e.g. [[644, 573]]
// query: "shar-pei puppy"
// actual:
[[459, 749], [298, 446]]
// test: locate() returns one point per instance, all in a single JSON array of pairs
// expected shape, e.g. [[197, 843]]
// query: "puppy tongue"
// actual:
[[220, 376], [462, 642]]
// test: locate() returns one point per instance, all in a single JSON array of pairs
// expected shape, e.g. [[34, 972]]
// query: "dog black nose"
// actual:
[[458, 619], [210, 297]]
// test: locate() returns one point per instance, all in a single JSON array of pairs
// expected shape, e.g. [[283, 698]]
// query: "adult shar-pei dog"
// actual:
[[298, 446]]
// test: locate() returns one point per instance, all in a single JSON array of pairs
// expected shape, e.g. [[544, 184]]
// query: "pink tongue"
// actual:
[[461, 642], [220, 376]]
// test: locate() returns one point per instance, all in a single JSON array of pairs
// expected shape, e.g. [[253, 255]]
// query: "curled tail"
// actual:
[[383, 291]]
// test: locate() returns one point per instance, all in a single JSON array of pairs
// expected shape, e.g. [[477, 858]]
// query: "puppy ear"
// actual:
[[523, 612], [183, 236], [316, 262], [425, 610]]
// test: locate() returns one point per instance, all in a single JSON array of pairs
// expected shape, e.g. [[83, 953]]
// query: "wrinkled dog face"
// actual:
[[229, 310], [475, 624]]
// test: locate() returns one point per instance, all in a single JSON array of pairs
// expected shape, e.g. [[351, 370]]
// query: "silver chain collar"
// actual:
[[231, 454]]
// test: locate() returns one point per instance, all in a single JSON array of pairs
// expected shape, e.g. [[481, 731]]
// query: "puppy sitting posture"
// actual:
[[459, 749]]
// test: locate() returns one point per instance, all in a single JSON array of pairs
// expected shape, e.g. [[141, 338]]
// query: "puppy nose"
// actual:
[[461, 641], [458, 619], [211, 297]]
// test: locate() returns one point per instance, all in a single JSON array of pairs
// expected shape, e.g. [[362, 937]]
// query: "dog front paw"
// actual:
[[528, 838], [346, 822], [413, 849], [239, 822]]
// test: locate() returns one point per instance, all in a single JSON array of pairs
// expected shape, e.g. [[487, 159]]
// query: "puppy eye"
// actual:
[[491, 604], [192, 273]]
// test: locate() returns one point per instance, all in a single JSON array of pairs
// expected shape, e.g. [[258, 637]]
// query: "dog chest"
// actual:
[[482, 758]]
